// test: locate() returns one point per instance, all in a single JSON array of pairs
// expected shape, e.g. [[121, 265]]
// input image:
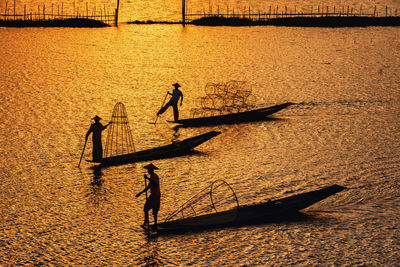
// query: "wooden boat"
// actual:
[[245, 116], [270, 211], [172, 150]]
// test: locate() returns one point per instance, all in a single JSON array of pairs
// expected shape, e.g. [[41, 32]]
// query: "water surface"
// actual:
[[343, 129]]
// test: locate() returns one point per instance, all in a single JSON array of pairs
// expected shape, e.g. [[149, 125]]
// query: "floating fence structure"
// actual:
[[278, 12], [11, 15], [276, 15]]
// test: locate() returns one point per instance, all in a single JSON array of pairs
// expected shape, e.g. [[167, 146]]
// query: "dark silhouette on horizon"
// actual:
[[320, 21]]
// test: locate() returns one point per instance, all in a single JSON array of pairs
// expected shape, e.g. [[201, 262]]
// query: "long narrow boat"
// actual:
[[174, 149], [244, 116], [270, 211]]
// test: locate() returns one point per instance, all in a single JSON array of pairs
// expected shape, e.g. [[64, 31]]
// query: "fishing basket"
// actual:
[[119, 137], [217, 197]]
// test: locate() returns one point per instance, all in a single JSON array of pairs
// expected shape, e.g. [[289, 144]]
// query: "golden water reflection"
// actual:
[[344, 129]]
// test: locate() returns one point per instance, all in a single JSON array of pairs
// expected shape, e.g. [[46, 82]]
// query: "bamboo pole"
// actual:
[[183, 13], [116, 14], [5, 12], [105, 13]]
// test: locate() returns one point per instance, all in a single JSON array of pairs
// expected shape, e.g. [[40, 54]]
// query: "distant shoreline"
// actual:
[[71, 22], [329, 21]]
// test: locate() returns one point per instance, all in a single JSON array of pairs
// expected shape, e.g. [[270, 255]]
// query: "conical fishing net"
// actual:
[[119, 137], [217, 197], [224, 98]]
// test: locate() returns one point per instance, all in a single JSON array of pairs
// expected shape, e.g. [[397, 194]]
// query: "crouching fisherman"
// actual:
[[153, 201], [96, 129]]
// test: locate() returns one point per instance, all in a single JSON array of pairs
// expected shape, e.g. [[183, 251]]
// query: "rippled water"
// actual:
[[343, 129]]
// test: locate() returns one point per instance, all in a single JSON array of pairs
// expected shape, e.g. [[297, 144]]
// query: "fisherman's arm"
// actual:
[[105, 126], [181, 98], [89, 132], [146, 188]]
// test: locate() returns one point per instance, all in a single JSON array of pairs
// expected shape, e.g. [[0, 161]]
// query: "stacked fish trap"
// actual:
[[224, 98], [119, 137]]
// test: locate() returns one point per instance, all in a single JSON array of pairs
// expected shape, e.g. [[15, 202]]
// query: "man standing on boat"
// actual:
[[175, 95], [153, 201], [96, 129]]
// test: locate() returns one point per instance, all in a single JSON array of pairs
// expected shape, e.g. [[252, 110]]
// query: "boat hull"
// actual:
[[269, 211], [239, 117], [168, 151]]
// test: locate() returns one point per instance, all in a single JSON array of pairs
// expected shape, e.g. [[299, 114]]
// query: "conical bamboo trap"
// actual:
[[119, 137]]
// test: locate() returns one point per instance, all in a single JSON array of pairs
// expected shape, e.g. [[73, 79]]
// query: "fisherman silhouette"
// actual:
[[96, 129], [175, 95], [153, 201]]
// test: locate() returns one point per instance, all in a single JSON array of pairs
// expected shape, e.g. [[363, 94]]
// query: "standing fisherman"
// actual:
[[153, 201], [96, 128], [175, 95]]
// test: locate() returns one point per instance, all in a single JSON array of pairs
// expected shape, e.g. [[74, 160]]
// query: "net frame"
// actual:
[[119, 137], [180, 213], [224, 98]]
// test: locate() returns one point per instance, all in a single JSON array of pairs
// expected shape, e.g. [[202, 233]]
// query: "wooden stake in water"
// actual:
[[116, 14], [183, 13]]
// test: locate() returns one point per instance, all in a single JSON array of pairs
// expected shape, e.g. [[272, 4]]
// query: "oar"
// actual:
[[161, 107], [83, 150]]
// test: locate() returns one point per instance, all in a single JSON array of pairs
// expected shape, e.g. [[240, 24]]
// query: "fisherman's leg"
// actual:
[[164, 108], [146, 218], [146, 212], [156, 208], [176, 112], [97, 152], [155, 218], [100, 152]]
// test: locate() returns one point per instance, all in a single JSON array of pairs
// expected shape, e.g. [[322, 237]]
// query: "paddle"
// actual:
[[83, 150], [161, 107]]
